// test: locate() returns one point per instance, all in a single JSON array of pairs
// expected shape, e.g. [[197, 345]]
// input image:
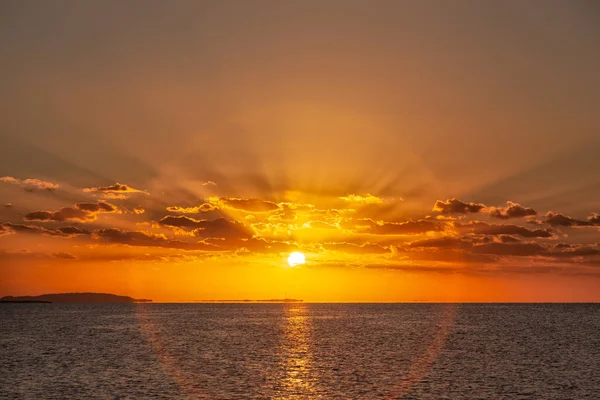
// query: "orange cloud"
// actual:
[[117, 188], [404, 228], [30, 185], [366, 199], [250, 205], [205, 207]]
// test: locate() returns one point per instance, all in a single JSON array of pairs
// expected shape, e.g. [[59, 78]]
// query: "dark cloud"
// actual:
[[251, 205], [73, 230], [514, 230], [415, 268], [222, 228], [180, 221], [96, 207], [510, 249], [20, 228], [442, 242], [563, 250], [555, 219], [217, 228], [455, 206], [4, 230], [512, 210], [41, 216], [138, 238], [508, 239], [82, 212], [483, 228]]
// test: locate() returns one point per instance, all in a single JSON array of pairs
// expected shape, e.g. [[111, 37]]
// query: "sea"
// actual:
[[299, 351]]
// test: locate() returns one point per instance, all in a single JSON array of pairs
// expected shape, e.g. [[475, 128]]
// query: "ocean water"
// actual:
[[299, 351]]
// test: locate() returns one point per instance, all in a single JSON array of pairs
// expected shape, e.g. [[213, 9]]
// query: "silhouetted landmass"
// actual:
[[25, 301], [74, 298]]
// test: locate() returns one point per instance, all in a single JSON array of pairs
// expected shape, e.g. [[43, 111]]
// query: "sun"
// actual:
[[296, 258]]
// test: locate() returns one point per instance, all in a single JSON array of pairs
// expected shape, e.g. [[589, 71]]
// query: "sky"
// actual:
[[412, 150]]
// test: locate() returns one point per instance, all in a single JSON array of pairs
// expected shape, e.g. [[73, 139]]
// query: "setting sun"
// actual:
[[296, 258]]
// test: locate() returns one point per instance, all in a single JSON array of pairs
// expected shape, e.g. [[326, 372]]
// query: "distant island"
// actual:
[[73, 298]]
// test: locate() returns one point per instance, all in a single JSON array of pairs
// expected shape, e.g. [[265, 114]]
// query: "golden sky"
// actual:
[[413, 151]]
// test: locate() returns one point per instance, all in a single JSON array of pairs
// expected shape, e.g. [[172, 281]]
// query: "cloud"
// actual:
[[455, 206], [33, 229], [206, 207], [366, 199], [287, 215], [413, 267], [209, 183], [117, 189], [96, 207], [483, 228], [508, 239], [8, 205], [72, 230], [510, 249], [563, 250], [555, 219], [82, 212], [64, 256], [217, 228], [64, 214], [4, 230], [404, 228], [512, 210], [30, 185], [250, 205], [319, 225], [139, 238], [352, 248], [513, 230], [222, 228], [180, 221], [442, 242]]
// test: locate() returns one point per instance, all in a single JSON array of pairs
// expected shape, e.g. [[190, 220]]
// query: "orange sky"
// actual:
[[437, 151]]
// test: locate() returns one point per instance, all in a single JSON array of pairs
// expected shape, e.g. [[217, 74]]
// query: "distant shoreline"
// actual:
[[73, 298]]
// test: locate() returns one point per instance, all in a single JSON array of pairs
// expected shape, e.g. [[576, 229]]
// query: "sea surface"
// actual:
[[299, 351]]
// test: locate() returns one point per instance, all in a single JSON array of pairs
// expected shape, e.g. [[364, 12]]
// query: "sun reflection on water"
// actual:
[[298, 377]]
